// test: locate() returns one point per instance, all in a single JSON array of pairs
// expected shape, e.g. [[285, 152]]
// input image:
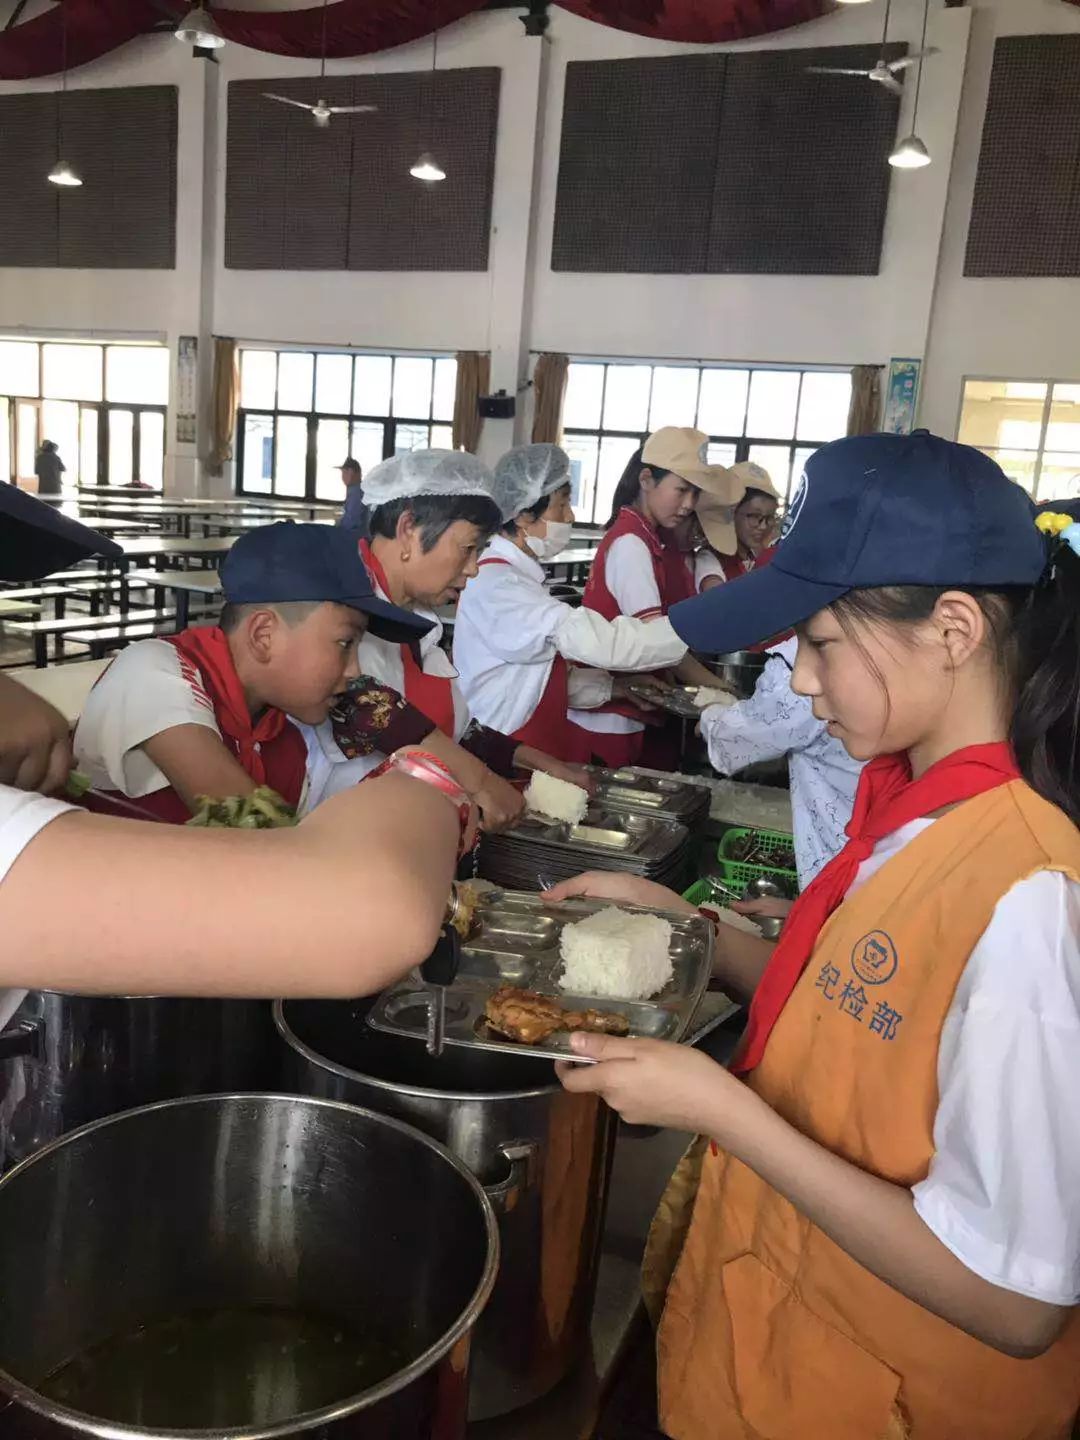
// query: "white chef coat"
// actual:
[[774, 722], [509, 630], [1002, 1189]]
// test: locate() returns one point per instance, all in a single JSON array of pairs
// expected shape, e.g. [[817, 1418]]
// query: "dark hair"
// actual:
[[752, 494], [293, 612], [537, 511], [350, 464], [434, 514], [628, 490], [1036, 637]]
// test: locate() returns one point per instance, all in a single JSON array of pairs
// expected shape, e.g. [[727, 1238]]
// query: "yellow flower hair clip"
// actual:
[[1052, 522]]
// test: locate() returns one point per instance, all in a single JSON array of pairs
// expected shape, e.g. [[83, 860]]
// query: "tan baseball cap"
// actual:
[[685, 451], [717, 516]]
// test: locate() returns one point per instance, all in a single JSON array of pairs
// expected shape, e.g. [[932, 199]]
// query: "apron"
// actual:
[[771, 1331]]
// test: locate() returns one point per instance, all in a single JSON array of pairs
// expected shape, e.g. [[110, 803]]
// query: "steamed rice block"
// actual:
[[706, 696], [612, 953], [557, 799]]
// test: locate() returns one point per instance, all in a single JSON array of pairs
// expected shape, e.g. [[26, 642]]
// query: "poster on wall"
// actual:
[[186, 382], [901, 396]]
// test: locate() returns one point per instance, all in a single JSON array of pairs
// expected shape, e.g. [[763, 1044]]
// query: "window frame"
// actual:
[[102, 408], [351, 418], [742, 444], [991, 451]]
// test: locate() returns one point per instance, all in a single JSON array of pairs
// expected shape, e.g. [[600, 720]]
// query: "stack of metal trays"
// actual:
[[674, 797], [538, 852], [515, 941]]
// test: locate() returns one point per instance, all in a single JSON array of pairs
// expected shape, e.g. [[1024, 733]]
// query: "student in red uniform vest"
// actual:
[[522, 654], [206, 712], [635, 574], [276, 909], [885, 1239], [432, 513]]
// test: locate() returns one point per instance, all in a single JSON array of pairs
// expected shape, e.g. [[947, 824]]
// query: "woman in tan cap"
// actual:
[[633, 575], [738, 538]]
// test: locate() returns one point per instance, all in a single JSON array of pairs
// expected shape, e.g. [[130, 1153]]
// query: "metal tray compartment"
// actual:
[[630, 789], [516, 942], [677, 701], [603, 831]]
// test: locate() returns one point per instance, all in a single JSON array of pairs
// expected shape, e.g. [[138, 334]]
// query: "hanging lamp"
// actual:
[[63, 172], [199, 28], [911, 153], [427, 168]]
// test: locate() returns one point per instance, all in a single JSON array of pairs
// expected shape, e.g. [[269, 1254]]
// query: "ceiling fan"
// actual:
[[883, 72], [321, 112]]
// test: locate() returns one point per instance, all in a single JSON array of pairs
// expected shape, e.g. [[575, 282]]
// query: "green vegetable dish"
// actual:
[[263, 809]]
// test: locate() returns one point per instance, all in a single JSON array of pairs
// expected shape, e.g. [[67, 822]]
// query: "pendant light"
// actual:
[[911, 153], [199, 29], [427, 168], [63, 173]]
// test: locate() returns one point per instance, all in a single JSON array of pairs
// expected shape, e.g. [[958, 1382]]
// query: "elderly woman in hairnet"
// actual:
[[524, 656], [431, 514]]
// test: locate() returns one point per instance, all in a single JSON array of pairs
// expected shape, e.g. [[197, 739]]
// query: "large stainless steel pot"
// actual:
[[739, 669], [248, 1201], [68, 1059], [544, 1156]]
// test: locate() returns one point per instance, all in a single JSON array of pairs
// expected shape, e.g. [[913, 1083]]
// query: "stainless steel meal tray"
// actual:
[[632, 789], [677, 701], [516, 942], [603, 831]]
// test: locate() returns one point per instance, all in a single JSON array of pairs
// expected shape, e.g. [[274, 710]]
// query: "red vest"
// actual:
[[432, 695], [598, 597]]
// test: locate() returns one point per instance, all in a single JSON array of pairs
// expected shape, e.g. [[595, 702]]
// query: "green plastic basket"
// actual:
[[739, 873], [701, 893]]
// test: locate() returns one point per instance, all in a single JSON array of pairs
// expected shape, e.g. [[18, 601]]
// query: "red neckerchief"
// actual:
[[886, 800], [208, 650]]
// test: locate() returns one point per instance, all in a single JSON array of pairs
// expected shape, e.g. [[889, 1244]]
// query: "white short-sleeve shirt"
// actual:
[[1003, 1190], [23, 815], [148, 688]]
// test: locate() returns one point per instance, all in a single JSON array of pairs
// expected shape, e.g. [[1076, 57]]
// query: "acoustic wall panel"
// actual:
[[1025, 214], [123, 143]]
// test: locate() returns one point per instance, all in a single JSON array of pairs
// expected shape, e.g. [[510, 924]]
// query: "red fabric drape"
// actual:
[[94, 27], [362, 27], [700, 22]]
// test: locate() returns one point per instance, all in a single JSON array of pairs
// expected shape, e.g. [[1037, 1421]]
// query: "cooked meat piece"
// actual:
[[529, 1017]]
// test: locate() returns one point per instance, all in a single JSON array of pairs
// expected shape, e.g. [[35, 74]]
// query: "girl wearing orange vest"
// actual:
[[885, 1240], [636, 574]]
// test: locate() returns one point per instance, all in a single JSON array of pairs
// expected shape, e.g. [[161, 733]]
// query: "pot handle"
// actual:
[[25, 1038], [520, 1155]]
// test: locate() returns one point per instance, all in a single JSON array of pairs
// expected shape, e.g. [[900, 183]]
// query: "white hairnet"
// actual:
[[526, 474], [426, 472]]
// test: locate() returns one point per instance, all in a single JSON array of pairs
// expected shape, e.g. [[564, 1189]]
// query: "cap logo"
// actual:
[[795, 509]]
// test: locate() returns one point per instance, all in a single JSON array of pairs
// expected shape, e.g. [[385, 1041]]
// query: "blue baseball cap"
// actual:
[[875, 510], [287, 562], [36, 539]]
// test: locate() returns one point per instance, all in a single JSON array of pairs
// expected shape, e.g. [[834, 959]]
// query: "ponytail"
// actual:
[[1046, 724], [628, 490]]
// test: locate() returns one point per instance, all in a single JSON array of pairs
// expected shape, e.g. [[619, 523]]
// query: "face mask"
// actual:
[[553, 542]]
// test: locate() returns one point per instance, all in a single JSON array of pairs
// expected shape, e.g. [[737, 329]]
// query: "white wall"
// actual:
[[919, 304], [1013, 329]]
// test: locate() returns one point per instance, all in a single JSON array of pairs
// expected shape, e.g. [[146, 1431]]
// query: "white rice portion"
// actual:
[[556, 799], [736, 921], [617, 955], [704, 697]]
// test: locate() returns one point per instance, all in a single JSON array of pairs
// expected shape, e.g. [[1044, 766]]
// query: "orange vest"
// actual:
[[771, 1331]]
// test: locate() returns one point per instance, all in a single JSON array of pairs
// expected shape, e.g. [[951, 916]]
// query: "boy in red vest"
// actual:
[[206, 712]]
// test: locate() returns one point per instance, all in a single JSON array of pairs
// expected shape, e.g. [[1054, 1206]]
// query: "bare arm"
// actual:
[[195, 762], [35, 746], [340, 905], [693, 672], [873, 1220]]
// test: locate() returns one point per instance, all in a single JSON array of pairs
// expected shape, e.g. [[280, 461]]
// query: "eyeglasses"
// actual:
[[759, 520]]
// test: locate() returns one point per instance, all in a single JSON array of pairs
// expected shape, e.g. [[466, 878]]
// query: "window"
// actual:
[[777, 418], [303, 412], [1031, 428], [103, 405]]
